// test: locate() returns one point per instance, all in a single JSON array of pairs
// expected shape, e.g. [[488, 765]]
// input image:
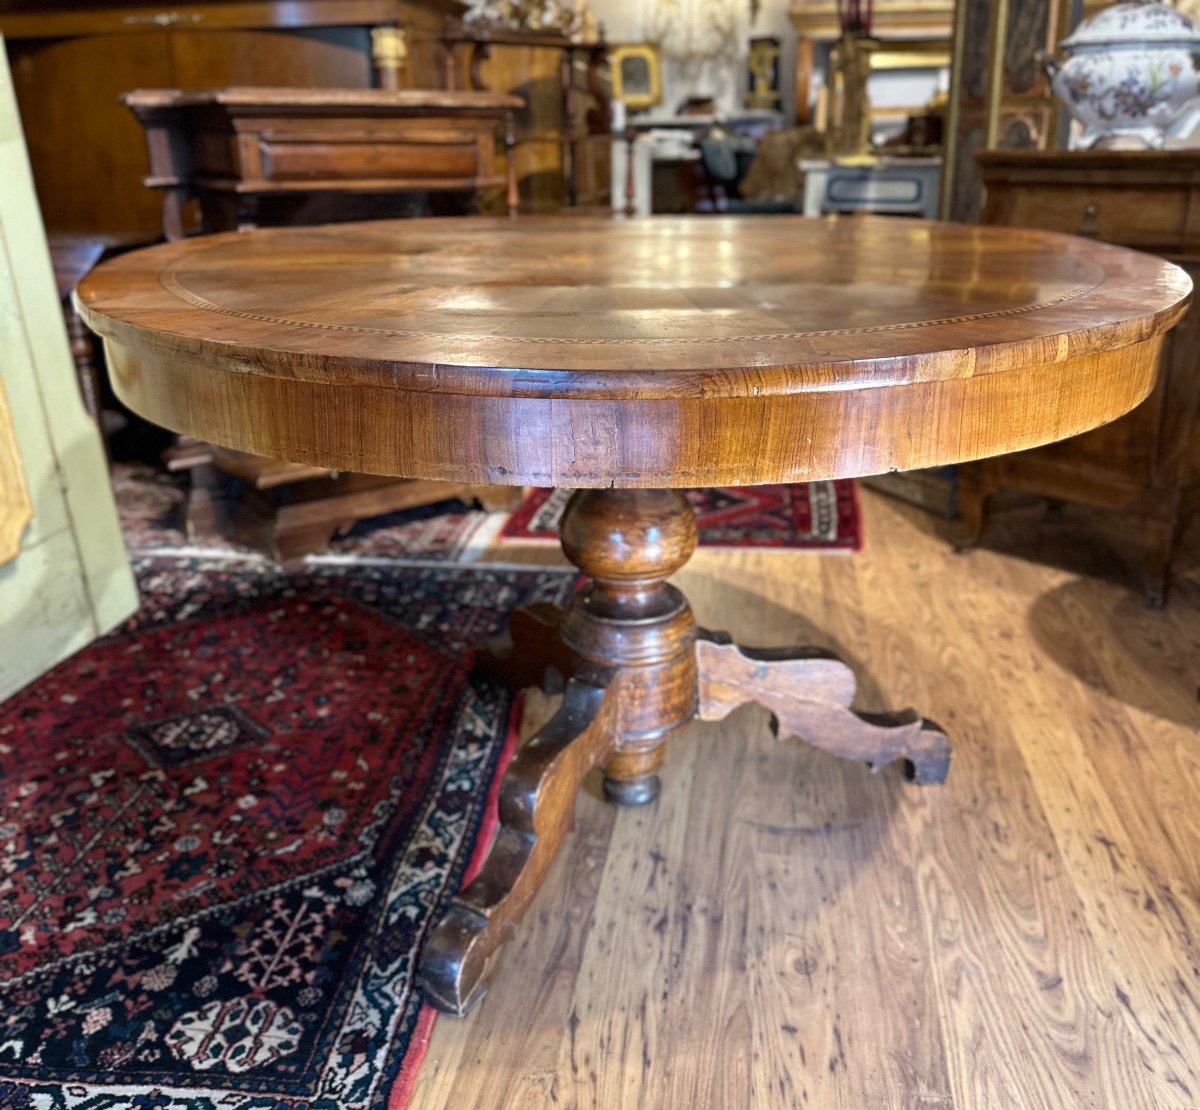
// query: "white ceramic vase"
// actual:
[[1130, 72]]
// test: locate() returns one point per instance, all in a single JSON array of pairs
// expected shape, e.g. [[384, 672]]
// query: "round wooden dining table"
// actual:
[[628, 359]]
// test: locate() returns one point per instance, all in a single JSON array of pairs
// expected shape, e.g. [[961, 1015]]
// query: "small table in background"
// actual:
[[628, 359]]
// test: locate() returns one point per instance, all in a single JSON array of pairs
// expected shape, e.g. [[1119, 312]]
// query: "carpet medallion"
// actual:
[[225, 828]]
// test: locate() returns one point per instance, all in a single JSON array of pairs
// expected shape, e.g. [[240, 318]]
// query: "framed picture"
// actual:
[[762, 80], [637, 75]]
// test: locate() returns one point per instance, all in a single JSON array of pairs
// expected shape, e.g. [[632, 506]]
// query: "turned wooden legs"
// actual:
[[636, 670]]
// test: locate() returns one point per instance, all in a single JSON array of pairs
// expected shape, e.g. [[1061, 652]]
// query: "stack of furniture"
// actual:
[[299, 125], [1146, 465]]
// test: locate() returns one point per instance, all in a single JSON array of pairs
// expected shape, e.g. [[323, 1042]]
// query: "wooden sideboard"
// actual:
[[242, 152], [72, 61], [1146, 464]]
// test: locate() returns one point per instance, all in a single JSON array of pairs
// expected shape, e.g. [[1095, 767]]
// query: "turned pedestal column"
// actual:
[[628, 620], [638, 669]]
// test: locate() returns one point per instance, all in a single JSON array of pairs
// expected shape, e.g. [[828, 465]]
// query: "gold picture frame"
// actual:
[[922, 54], [636, 75]]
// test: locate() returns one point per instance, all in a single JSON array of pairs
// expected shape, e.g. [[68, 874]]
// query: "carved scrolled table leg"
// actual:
[[637, 669], [537, 806], [809, 692]]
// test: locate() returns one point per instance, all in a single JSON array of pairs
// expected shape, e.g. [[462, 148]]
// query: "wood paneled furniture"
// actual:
[[241, 151], [71, 62], [626, 359], [1145, 465]]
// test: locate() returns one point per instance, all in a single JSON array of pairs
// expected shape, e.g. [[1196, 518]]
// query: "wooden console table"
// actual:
[[626, 359], [1145, 465], [240, 149]]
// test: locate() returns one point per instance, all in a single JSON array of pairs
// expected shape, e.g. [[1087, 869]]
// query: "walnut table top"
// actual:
[[664, 352]]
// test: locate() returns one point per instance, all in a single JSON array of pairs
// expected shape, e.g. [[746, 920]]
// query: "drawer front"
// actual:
[[404, 158], [1133, 216]]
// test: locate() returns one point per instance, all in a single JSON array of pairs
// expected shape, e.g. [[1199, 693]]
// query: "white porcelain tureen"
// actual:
[[1130, 71]]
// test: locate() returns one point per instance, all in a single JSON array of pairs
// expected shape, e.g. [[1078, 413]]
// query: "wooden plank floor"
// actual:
[[782, 929]]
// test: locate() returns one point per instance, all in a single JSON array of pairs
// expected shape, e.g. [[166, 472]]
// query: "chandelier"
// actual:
[[702, 38]]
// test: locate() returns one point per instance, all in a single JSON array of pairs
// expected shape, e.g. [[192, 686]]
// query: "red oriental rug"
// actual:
[[225, 830], [819, 516], [816, 516]]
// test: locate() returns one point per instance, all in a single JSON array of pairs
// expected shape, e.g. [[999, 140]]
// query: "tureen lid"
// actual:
[[1134, 22]]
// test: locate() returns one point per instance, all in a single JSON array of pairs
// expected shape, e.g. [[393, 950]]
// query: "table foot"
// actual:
[[632, 792], [631, 777], [537, 807], [808, 693]]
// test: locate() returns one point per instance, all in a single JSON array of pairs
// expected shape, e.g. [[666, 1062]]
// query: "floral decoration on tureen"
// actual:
[[1131, 71]]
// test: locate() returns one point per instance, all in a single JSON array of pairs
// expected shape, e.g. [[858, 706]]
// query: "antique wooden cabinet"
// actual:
[[71, 62], [1146, 464]]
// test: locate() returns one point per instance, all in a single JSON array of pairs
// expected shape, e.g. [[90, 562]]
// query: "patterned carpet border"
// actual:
[[418, 1043], [150, 1008]]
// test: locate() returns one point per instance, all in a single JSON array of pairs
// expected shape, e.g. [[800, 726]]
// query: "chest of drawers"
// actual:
[[1145, 465]]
